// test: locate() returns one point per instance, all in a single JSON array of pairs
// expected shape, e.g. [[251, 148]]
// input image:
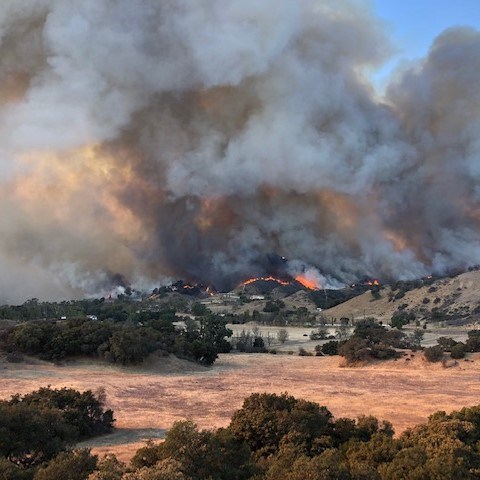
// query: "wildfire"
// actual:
[[210, 291], [265, 279], [309, 283], [373, 282]]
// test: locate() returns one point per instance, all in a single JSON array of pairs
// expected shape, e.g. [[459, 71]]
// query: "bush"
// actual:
[[355, 350], [433, 354], [473, 341], [330, 348], [76, 465], [303, 353], [266, 419], [319, 334], [282, 335], [446, 343], [458, 350]]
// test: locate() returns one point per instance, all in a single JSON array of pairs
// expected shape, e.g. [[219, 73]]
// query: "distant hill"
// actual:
[[454, 300]]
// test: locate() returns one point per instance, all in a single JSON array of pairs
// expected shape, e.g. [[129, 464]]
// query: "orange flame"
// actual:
[[309, 283], [265, 279]]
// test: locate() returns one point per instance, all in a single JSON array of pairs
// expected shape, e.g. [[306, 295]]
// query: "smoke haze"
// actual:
[[180, 139]]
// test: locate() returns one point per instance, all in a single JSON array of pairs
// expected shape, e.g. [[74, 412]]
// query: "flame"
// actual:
[[210, 291], [373, 282], [265, 279], [308, 282]]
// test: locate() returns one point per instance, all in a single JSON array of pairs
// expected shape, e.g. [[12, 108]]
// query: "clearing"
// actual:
[[148, 400]]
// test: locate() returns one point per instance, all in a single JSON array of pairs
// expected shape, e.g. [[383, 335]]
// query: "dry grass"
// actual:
[[147, 401], [463, 291]]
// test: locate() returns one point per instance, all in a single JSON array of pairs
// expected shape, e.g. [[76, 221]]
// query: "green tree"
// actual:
[[108, 468], [76, 465], [199, 310], [200, 454], [84, 411], [458, 351], [30, 435], [433, 354], [266, 419], [282, 335], [417, 337]]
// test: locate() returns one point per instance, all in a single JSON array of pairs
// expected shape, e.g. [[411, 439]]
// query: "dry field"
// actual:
[[147, 401]]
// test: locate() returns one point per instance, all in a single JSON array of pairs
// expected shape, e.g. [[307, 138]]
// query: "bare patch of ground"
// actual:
[[149, 400]]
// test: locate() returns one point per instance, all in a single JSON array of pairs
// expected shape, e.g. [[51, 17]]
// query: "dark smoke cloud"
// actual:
[[181, 139]]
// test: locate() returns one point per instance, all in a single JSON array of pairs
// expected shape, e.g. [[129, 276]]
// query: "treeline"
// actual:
[[36, 427], [120, 309], [279, 437], [126, 342], [370, 340]]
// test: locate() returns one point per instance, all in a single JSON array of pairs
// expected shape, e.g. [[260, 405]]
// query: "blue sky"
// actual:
[[413, 24]]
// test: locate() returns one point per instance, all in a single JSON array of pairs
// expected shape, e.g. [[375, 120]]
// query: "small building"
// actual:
[[257, 297]]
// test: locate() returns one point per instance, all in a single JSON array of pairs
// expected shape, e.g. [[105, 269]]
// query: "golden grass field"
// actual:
[[148, 400]]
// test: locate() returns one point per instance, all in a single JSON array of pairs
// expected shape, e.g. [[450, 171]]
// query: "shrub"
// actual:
[[319, 334], [433, 354], [458, 350], [330, 348], [303, 353], [446, 343], [282, 335], [76, 465], [355, 350]]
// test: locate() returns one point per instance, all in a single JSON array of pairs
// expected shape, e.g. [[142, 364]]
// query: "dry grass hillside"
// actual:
[[453, 300]]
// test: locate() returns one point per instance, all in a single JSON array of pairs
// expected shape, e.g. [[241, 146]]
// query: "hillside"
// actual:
[[452, 300]]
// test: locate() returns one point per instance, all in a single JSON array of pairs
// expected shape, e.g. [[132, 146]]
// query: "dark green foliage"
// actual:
[[265, 420], [295, 440], [131, 344], [11, 471], [406, 285], [446, 343], [125, 342], [433, 354], [77, 465], [30, 435], [38, 426], [273, 306], [473, 341], [401, 318], [371, 340], [355, 350], [84, 411], [458, 351], [319, 334], [200, 454], [330, 348], [199, 309], [370, 330]]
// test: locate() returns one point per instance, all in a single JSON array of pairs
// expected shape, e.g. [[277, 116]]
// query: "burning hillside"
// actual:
[[166, 140]]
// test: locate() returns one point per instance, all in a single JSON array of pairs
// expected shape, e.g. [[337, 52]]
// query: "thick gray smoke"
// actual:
[[191, 139]]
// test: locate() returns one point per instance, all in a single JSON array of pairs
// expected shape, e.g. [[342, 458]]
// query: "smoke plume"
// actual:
[[179, 139]]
